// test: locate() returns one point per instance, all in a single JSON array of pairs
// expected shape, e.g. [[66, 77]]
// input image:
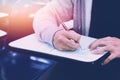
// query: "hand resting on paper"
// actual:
[[110, 44]]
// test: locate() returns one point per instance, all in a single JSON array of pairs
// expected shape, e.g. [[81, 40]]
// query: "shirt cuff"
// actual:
[[85, 42], [48, 34]]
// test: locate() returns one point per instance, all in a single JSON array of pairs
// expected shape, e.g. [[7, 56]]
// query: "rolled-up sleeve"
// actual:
[[46, 21]]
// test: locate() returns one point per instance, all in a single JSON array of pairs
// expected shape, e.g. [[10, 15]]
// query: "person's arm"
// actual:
[[46, 22]]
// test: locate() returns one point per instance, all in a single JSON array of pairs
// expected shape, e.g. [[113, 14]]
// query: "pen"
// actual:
[[65, 27]]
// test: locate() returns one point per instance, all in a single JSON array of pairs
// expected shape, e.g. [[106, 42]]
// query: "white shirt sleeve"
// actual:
[[46, 23]]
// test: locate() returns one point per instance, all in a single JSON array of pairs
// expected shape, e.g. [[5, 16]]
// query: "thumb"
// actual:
[[74, 36], [110, 58]]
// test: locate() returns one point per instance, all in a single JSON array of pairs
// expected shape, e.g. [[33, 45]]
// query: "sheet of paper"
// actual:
[[31, 43], [2, 33]]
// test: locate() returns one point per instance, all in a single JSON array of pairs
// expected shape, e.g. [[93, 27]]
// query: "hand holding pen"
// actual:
[[65, 39]]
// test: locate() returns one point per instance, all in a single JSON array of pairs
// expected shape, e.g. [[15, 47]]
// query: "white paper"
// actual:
[[31, 43]]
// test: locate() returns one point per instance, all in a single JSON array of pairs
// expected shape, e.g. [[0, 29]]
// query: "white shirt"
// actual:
[[88, 15]]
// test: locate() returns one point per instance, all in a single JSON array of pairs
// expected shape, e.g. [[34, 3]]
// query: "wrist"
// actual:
[[54, 36]]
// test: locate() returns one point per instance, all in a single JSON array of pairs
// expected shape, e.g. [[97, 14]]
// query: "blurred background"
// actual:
[[16, 17], [18, 22], [6, 5]]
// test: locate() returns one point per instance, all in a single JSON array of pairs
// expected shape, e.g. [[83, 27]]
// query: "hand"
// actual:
[[110, 44], [66, 40]]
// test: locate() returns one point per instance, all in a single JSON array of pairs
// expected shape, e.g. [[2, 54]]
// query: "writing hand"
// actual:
[[66, 40]]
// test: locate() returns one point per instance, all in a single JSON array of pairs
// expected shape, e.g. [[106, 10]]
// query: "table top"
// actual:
[[20, 66], [2, 33], [43, 48]]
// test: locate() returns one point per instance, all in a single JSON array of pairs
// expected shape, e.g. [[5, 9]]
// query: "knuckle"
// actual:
[[100, 41], [97, 50], [107, 47], [113, 56], [60, 48], [110, 42], [65, 32], [109, 37], [74, 48], [72, 31], [60, 38]]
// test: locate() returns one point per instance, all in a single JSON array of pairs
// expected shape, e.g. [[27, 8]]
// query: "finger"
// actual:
[[99, 50], [73, 35], [66, 44], [109, 38], [73, 44], [98, 43], [107, 60], [70, 44], [67, 48]]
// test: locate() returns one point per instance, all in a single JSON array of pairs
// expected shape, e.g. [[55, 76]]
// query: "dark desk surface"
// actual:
[[20, 66], [27, 65], [24, 66]]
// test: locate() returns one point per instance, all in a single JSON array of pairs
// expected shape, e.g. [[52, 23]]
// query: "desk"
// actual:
[[21, 66], [40, 47], [65, 66], [67, 69], [64, 70]]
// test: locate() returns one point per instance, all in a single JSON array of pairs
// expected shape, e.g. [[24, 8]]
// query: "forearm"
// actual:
[[46, 21]]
